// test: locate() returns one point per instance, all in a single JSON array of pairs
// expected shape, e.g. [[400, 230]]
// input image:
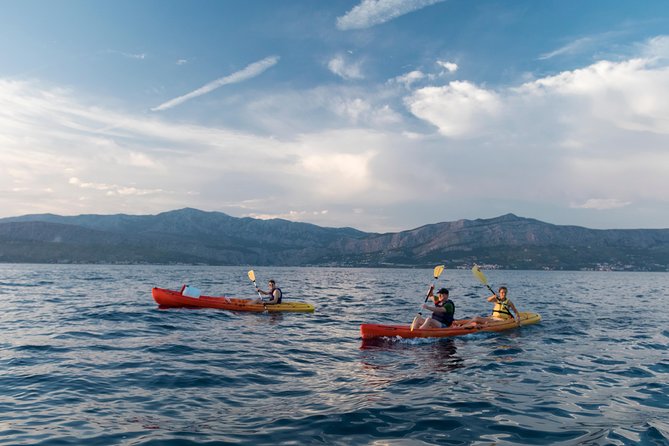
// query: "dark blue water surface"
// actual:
[[86, 357]]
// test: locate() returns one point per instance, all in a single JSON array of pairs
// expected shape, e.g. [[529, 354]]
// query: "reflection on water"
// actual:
[[386, 361]]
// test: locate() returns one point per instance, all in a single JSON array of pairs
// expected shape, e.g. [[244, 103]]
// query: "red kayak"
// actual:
[[459, 328], [176, 299]]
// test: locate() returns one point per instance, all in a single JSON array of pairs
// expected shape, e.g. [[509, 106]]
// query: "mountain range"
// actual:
[[191, 236]]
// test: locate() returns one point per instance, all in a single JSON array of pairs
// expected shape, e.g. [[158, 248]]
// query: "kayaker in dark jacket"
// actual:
[[275, 294], [443, 311]]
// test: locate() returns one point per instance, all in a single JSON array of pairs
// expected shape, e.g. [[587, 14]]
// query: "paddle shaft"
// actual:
[[254, 284]]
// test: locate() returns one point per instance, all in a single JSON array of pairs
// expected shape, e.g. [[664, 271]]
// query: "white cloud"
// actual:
[[459, 109], [632, 94], [339, 66], [410, 78], [602, 204], [374, 12], [451, 67], [291, 215], [113, 189], [248, 72], [656, 49], [338, 175]]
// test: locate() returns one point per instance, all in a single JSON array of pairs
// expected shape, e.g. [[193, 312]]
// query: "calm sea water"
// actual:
[[86, 357]]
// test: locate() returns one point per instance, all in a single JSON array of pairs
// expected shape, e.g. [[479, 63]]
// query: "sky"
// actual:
[[382, 115]]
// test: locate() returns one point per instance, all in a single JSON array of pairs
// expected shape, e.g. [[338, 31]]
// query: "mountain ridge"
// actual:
[[208, 237]]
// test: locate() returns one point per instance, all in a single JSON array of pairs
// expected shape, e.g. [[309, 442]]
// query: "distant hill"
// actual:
[[196, 237]]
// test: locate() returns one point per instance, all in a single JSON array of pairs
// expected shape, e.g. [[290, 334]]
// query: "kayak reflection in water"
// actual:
[[275, 294], [442, 311], [501, 311]]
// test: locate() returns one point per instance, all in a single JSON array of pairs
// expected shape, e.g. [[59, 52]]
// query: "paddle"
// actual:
[[252, 277], [479, 275], [436, 273]]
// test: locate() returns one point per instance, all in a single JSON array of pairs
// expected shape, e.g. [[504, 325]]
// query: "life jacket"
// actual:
[[501, 309], [446, 317], [271, 296]]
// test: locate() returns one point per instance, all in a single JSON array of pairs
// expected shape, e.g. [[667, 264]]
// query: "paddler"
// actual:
[[502, 309], [442, 311], [275, 294]]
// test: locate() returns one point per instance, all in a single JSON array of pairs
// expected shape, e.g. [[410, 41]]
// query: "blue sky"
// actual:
[[382, 115]]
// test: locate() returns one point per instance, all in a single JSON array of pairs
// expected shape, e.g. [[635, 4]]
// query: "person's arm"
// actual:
[[434, 309], [492, 298], [263, 292], [515, 310]]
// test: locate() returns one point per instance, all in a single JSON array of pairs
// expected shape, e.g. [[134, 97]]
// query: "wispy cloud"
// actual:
[[341, 67], [602, 204], [138, 56], [249, 72], [592, 43], [451, 67], [374, 12], [574, 47], [113, 189]]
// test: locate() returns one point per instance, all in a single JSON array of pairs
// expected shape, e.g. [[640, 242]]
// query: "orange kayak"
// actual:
[[459, 328], [175, 299]]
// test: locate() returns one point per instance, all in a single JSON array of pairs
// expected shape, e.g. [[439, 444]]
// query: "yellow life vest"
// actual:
[[501, 309]]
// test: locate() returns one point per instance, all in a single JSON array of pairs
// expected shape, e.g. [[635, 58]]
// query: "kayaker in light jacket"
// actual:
[[502, 309], [442, 311], [275, 294]]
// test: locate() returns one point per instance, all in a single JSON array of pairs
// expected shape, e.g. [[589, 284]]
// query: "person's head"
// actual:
[[272, 283], [442, 294], [502, 291]]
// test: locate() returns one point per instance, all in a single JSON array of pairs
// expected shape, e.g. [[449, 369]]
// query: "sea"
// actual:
[[88, 358]]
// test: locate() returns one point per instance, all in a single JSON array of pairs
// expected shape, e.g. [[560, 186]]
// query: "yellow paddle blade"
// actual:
[[252, 276], [479, 275], [438, 270]]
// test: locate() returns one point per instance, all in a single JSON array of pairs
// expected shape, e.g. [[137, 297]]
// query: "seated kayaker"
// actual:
[[500, 312], [442, 311], [275, 294]]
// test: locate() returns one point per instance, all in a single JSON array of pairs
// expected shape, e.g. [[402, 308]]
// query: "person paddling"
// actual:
[[275, 294], [442, 311], [502, 309]]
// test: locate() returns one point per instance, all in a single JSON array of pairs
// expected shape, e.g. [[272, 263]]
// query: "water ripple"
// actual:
[[87, 358]]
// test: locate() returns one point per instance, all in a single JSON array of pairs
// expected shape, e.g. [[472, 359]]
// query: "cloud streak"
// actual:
[[250, 71], [375, 12]]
